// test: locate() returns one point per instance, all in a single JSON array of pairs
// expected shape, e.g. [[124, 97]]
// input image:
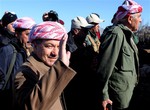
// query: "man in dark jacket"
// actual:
[[7, 32], [13, 55]]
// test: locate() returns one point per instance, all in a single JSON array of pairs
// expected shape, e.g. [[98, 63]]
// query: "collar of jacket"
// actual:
[[38, 64], [7, 33], [129, 33], [125, 29]]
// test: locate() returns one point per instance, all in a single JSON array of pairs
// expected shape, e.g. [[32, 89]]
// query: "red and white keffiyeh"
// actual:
[[24, 23], [128, 7], [47, 30]]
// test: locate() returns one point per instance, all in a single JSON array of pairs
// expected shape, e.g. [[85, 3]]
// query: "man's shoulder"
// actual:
[[7, 50], [4, 41], [113, 30]]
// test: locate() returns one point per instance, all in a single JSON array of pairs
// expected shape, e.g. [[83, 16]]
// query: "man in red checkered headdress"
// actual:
[[118, 59]]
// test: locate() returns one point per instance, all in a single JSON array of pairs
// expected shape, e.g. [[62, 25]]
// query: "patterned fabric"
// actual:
[[24, 23], [47, 30], [128, 7]]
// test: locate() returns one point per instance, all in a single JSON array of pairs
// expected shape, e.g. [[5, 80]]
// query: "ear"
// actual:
[[75, 31], [129, 19]]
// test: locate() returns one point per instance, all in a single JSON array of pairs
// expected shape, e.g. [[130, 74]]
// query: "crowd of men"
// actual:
[[44, 67]]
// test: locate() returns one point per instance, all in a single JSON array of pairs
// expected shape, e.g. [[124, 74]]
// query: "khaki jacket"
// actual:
[[39, 87]]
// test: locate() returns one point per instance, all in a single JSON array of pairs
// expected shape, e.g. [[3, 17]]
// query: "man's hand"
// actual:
[[104, 103], [64, 55]]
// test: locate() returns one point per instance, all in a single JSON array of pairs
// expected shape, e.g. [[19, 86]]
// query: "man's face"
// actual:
[[24, 38], [96, 28], [10, 27], [47, 51], [77, 31], [135, 21]]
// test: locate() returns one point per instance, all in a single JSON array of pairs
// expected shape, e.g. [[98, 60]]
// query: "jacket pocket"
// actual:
[[118, 83], [127, 60]]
